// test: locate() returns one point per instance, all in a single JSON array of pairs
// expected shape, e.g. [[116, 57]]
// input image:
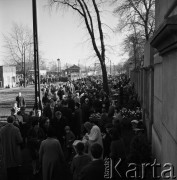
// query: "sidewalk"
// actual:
[[18, 87]]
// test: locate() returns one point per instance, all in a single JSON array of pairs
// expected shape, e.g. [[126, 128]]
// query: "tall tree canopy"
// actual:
[[136, 13], [137, 17], [134, 46], [89, 11], [19, 48], [18, 44]]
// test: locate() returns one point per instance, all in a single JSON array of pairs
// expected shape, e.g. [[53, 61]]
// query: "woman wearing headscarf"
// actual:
[[94, 134]]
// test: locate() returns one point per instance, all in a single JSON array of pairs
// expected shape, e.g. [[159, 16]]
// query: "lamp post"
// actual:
[[58, 66]]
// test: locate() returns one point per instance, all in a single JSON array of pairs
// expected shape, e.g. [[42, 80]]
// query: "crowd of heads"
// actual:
[[88, 96], [69, 110]]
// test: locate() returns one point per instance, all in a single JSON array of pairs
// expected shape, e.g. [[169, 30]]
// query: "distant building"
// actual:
[[72, 69], [84, 74], [7, 76], [91, 73], [42, 72], [73, 72]]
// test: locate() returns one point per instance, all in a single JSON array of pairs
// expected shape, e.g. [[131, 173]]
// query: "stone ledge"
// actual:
[[157, 59], [165, 38]]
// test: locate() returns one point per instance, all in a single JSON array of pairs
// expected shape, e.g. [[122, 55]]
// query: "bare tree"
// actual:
[[89, 12], [18, 44], [134, 45], [136, 13]]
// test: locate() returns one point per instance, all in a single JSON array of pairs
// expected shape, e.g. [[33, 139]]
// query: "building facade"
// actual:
[[156, 85], [164, 128], [73, 72], [7, 76]]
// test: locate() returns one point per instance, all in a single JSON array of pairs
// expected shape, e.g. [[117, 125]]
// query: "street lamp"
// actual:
[[58, 66]]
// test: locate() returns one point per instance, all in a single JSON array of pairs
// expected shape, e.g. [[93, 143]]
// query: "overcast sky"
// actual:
[[61, 34]]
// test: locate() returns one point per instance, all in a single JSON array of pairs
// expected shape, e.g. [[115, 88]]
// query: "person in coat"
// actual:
[[20, 100], [59, 123], [77, 121], [93, 135], [117, 153], [95, 169], [11, 139], [51, 157], [85, 110], [80, 160]]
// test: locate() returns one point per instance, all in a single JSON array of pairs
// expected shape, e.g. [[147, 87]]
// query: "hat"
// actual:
[[134, 121], [88, 125], [82, 95], [87, 99], [76, 142], [67, 128], [64, 96], [57, 113]]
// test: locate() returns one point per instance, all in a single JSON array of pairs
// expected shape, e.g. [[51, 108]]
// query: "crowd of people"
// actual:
[[76, 127]]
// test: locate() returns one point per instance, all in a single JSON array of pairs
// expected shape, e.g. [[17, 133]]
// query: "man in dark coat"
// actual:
[[95, 169], [85, 110], [59, 123], [20, 100], [60, 93], [49, 109], [10, 138], [71, 103], [67, 112], [77, 121]]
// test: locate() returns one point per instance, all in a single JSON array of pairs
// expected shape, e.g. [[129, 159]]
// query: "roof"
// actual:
[[74, 67]]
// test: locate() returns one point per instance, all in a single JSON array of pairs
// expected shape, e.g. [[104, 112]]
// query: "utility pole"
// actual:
[[110, 67], [58, 66], [85, 70], [114, 69], [36, 57], [24, 69]]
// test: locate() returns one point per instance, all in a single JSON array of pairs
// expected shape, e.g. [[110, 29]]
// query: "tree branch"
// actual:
[[135, 8], [100, 31], [88, 12], [73, 6]]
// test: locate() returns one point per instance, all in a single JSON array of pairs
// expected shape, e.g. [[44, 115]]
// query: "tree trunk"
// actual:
[[105, 78]]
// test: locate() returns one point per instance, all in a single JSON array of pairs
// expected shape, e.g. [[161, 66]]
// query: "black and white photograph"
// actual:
[[88, 89]]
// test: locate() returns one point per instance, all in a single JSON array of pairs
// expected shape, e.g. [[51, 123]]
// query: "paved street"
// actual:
[[7, 98]]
